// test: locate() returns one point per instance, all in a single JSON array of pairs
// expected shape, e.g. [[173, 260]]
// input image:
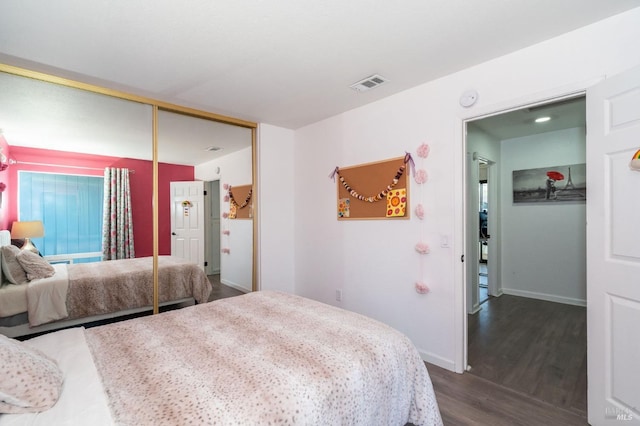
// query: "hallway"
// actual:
[[532, 346]]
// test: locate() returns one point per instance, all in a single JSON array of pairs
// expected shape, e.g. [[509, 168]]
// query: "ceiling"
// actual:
[[563, 114], [285, 62], [39, 114]]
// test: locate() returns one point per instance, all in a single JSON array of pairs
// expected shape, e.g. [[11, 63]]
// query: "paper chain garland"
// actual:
[[246, 201], [382, 195]]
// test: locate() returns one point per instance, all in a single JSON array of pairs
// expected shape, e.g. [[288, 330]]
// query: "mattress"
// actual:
[[13, 299]]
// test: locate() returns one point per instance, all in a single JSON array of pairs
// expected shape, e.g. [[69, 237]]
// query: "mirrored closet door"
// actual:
[[58, 136]]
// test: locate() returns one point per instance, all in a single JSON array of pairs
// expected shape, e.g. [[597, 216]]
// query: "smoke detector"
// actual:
[[368, 83]]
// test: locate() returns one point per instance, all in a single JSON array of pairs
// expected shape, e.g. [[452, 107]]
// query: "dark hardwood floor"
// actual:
[[534, 347], [221, 291], [466, 399]]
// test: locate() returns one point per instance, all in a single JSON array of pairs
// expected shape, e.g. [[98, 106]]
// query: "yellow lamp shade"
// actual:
[[27, 230]]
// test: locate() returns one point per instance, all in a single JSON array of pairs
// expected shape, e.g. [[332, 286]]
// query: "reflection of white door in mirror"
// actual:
[[187, 221], [213, 147]]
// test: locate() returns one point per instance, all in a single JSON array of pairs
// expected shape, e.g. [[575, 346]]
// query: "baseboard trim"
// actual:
[[236, 286], [545, 296], [437, 360], [477, 308]]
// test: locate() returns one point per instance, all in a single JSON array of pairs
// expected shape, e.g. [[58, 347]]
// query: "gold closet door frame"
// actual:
[[156, 106]]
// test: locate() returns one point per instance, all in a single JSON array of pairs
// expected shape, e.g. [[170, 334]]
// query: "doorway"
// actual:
[[483, 231], [212, 228], [481, 280], [510, 335]]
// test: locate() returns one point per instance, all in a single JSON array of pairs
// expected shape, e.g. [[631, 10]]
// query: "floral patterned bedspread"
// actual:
[[259, 359], [115, 285]]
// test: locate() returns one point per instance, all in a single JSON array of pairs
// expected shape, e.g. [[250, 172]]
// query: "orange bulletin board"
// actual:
[[240, 200], [372, 181]]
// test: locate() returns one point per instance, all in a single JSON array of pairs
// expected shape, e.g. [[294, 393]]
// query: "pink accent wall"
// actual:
[[141, 188], [4, 178]]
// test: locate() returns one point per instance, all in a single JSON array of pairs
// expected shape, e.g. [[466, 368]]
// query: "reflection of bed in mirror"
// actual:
[[92, 130], [71, 294]]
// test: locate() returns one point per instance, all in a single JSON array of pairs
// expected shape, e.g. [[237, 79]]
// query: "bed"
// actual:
[[257, 359], [71, 294]]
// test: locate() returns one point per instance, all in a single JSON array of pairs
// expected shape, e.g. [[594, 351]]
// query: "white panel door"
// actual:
[[187, 221], [613, 251]]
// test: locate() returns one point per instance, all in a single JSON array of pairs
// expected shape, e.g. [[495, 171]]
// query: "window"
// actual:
[[69, 206]]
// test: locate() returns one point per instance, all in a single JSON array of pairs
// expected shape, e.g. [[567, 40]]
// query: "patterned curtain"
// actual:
[[117, 226]]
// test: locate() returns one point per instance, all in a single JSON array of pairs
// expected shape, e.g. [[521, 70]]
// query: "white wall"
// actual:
[[276, 212], [485, 145], [543, 245], [374, 261], [236, 266]]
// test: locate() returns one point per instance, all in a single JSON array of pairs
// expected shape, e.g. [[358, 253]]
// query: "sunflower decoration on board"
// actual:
[[634, 164], [397, 202]]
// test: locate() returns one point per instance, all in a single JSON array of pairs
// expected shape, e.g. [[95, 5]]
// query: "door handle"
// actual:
[[173, 233]]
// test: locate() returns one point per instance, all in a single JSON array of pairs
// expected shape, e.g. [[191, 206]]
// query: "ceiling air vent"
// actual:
[[368, 83]]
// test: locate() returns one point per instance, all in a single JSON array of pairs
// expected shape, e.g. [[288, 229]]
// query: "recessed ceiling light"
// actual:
[[213, 148], [542, 119]]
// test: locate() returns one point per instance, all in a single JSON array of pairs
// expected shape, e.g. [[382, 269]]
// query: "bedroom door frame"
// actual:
[[212, 230], [473, 247], [462, 234]]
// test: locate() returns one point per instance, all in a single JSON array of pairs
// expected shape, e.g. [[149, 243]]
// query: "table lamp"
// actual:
[[27, 230]]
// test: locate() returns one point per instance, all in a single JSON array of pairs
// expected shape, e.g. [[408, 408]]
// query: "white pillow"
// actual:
[[34, 265], [31, 381], [11, 267]]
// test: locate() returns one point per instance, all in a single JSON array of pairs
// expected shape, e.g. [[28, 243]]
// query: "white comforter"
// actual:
[[47, 297], [44, 298], [82, 401]]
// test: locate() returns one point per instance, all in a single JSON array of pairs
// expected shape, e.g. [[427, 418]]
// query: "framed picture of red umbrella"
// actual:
[[553, 184], [555, 175]]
